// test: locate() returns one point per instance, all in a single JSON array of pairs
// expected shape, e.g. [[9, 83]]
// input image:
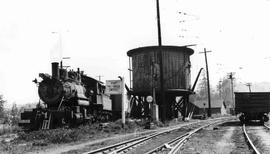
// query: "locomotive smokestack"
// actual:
[[55, 70], [79, 75]]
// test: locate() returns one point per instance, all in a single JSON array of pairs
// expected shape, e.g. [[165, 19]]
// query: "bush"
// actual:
[[65, 135], [12, 116], [61, 135]]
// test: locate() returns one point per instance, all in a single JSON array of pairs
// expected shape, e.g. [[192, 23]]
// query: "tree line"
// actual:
[[222, 91], [9, 116]]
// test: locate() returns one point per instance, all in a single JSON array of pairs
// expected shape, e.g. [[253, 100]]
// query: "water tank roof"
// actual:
[[151, 48]]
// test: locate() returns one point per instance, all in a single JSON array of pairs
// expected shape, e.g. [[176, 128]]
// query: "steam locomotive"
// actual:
[[67, 98]]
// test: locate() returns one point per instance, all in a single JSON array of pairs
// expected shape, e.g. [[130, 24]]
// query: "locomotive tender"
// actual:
[[67, 98], [252, 106]]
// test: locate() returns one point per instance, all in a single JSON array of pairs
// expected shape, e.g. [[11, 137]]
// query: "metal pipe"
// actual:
[[195, 83]]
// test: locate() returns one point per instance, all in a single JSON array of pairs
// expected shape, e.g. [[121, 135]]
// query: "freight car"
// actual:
[[67, 98], [252, 106]]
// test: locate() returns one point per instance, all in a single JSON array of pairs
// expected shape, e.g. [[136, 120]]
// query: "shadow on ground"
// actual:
[[238, 123]]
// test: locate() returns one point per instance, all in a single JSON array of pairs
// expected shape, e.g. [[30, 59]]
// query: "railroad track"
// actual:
[[249, 140], [266, 126], [125, 146], [174, 145]]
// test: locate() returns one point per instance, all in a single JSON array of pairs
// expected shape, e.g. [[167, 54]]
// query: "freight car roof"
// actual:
[[150, 48], [252, 92]]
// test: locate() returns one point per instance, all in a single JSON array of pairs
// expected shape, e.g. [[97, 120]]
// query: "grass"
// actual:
[[87, 131], [38, 139], [59, 135]]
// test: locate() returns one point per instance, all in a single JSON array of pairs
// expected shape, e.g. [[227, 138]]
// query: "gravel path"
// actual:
[[160, 140], [260, 137], [223, 139], [157, 141], [226, 144], [265, 139]]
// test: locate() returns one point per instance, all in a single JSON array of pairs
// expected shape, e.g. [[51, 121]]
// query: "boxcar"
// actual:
[[252, 106]]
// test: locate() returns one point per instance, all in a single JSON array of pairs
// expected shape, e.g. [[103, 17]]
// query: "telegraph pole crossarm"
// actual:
[[208, 82], [249, 86]]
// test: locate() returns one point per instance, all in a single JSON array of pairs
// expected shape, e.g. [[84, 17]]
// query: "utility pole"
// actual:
[[249, 85], [231, 77], [162, 92], [130, 73], [219, 87], [99, 77], [208, 82]]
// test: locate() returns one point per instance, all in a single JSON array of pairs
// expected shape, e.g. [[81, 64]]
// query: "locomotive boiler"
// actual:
[[67, 98], [68, 88]]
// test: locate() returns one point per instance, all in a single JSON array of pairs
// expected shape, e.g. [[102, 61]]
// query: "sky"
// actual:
[[97, 34]]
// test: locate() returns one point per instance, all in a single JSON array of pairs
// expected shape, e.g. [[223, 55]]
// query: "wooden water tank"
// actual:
[[146, 70]]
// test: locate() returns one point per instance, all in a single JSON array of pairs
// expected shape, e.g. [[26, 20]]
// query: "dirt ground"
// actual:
[[261, 138], [82, 145], [95, 141], [223, 139]]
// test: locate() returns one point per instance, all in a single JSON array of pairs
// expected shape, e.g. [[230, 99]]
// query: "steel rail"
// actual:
[[176, 148], [168, 143], [266, 126], [116, 148], [180, 140], [138, 139], [180, 143], [133, 144], [116, 145], [249, 140]]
